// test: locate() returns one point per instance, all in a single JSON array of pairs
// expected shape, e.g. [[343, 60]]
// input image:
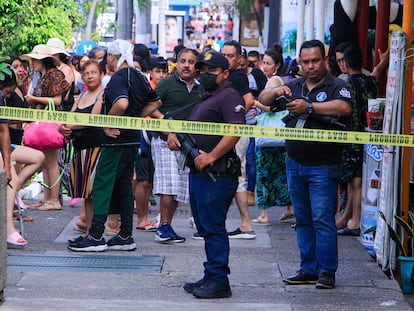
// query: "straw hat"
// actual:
[[41, 51], [57, 46]]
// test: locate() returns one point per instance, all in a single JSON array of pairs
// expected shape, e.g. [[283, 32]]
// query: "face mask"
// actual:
[[208, 81]]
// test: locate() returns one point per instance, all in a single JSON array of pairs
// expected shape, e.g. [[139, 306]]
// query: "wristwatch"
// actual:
[[309, 109]]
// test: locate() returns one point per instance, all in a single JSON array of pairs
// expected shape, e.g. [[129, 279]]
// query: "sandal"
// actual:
[[148, 226], [75, 201], [78, 228], [19, 202], [50, 206], [260, 221], [286, 216], [111, 231], [35, 205], [16, 216], [16, 240]]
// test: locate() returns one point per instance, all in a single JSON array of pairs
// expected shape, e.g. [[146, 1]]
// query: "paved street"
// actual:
[[257, 268]]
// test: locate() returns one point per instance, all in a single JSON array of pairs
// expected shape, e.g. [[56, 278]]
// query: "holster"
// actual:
[[228, 165]]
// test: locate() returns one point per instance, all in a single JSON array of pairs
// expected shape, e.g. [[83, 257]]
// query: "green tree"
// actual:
[[25, 23]]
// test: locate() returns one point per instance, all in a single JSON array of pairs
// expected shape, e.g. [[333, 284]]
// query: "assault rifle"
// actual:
[[189, 147]]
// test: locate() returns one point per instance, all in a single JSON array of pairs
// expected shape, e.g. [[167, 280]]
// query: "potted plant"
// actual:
[[407, 257], [4, 70]]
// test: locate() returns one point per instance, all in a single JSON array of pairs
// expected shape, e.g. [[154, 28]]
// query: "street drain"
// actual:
[[149, 264]]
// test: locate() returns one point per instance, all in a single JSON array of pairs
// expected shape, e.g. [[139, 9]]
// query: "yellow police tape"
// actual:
[[205, 127]]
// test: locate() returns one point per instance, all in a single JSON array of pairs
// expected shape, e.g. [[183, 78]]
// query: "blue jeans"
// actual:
[[251, 165], [210, 202], [314, 193]]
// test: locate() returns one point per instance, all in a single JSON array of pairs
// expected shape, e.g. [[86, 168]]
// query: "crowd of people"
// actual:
[[111, 168]]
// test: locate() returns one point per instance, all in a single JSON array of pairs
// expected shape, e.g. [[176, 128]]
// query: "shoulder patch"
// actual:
[[239, 108], [345, 93]]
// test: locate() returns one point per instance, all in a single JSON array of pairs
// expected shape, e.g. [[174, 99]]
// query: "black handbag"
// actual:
[[86, 138]]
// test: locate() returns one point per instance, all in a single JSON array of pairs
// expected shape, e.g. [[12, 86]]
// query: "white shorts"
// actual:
[[241, 149]]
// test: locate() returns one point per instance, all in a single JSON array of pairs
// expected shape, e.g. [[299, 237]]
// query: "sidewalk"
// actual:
[[257, 268]]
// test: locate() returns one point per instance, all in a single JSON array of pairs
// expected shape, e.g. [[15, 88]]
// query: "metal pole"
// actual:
[[274, 22], [381, 37], [3, 235], [408, 28], [310, 20], [320, 19], [161, 28], [301, 23]]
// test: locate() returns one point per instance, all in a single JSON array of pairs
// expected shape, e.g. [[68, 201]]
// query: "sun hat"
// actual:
[[41, 51], [57, 46]]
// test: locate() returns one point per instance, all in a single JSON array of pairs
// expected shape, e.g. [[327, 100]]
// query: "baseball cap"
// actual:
[[213, 59], [158, 62]]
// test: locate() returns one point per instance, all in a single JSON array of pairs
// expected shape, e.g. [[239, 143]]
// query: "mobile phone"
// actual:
[[279, 104]]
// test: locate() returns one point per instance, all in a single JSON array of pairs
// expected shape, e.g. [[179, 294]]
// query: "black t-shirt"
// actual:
[[260, 79], [314, 153], [130, 84], [239, 81]]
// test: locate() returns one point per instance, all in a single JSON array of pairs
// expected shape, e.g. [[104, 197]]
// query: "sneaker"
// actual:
[[89, 244], [300, 278], [197, 236], [166, 234], [326, 281], [75, 241], [212, 290], [118, 243], [190, 287], [192, 223], [245, 235]]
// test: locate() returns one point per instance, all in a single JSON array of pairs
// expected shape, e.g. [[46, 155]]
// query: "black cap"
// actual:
[[158, 63], [213, 59]]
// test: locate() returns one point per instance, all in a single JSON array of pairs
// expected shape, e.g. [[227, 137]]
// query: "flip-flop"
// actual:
[[351, 232], [111, 231], [35, 205], [15, 240], [50, 206], [148, 226], [75, 201], [18, 201], [79, 229], [286, 216], [260, 221], [16, 216]]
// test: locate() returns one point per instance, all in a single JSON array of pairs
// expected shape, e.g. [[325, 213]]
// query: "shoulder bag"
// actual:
[[43, 135], [272, 120]]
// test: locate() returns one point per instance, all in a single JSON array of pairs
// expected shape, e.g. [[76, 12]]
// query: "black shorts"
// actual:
[[144, 167], [352, 161]]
